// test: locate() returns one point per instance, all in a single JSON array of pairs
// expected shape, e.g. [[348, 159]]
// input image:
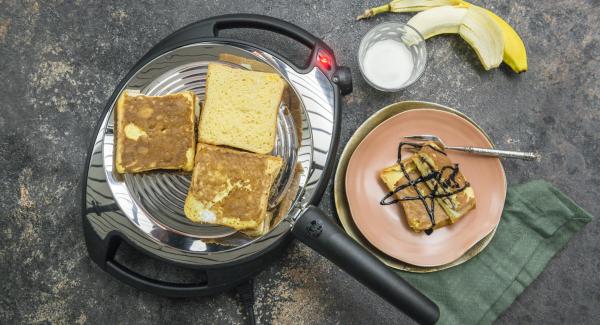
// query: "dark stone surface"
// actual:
[[60, 60]]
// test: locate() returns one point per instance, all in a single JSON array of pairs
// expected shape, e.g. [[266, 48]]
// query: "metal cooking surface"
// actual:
[[153, 201], [162, 193]]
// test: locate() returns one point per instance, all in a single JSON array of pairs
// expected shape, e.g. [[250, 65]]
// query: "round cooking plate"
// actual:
[[153, 201], [162, 193]]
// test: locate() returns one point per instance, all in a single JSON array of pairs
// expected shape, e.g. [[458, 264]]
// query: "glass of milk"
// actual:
[[392, 56]]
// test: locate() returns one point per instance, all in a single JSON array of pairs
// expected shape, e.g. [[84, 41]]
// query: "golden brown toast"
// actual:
[[155, 132], [262, 229], [241, 108], [231, 188], [414, 210]]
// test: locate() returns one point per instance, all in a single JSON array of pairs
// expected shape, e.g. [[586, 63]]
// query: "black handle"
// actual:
[[317, 231], [321, 55], [103, 250], [210, 27], [163, 288], [215, 24]]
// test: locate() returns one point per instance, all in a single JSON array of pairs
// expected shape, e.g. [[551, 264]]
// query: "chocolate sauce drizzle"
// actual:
[[449, 184]]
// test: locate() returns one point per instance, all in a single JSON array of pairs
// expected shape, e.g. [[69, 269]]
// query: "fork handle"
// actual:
[[497, 153]]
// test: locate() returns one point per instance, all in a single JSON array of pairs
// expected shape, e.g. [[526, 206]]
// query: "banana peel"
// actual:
[[484, 35], [515, 54]]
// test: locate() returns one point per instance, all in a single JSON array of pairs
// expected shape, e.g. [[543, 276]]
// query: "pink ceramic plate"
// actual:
[[385, 226]]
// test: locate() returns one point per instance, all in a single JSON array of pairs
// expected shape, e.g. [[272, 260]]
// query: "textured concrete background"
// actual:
[[60, 60]]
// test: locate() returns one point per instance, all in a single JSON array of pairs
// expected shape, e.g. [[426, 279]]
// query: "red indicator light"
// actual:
[[324, 59]]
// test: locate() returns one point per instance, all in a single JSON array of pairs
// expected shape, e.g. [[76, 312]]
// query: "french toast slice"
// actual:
[[241, 108], [155, 132], [415, 211], [231, 188], [432, 158]]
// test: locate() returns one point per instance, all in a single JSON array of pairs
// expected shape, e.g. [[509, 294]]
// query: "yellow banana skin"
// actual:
[[515, 55]]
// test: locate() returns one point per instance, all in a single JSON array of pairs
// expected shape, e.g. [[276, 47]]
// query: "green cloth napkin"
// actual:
[[537, 222]]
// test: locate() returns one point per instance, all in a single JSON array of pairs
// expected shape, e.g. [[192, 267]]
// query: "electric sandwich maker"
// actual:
[[146, 210]]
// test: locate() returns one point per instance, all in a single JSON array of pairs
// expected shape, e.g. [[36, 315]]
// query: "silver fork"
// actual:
[[475, 150]]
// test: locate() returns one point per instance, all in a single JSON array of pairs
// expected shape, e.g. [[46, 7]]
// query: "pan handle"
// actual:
[[320, 233], [267, 23], [103, 251], [210, 27], [321, 55], [155, 286]]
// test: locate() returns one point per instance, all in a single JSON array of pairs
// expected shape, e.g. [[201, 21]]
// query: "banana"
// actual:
[[473, 24], [515, 55], [438, 20]]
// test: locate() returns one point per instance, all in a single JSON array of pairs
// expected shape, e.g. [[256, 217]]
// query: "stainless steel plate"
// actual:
[[153, 201], [162, 194]]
